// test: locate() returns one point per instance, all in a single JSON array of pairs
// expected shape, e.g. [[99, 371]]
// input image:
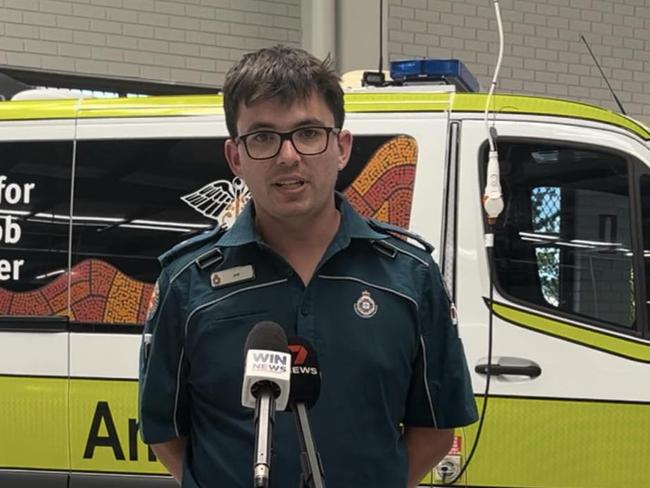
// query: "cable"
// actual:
[[381, 36], [495, 77], [489, 241], [493, 205], [486, 393], [492, 197]]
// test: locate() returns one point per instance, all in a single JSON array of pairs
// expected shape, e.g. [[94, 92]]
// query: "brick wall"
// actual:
[[544, 54], [184, 41]]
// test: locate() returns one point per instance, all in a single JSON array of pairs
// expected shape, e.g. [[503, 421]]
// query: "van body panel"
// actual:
[[39, 109], [85, 480], [368, 101], [34, 479], [104, 355], [153, 128], [566, 304], [544, 442], [34, 352], [37, 359], [578, 423], [104, 433], [34, 423]]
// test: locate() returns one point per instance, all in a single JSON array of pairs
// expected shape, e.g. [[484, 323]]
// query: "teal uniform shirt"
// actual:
[[378, 317]]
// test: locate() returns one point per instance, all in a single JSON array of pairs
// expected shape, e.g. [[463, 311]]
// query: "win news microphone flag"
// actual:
[[267, 375]]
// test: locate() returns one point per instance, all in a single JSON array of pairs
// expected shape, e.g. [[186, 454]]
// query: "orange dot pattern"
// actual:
[[384, 189], [100, 293]]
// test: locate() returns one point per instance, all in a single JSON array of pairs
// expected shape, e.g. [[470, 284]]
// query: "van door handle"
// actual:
[[509, 366], [498, 370]]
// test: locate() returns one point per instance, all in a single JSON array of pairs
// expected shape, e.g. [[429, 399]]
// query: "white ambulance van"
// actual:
[[92, 191]]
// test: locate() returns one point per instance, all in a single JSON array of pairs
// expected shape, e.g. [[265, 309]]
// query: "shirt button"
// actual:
[[304, 310]]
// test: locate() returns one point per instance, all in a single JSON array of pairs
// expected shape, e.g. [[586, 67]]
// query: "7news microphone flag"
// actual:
[[305, 389]]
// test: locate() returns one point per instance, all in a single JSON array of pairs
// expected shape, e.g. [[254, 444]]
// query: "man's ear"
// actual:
[[344, 141], [231, 151]]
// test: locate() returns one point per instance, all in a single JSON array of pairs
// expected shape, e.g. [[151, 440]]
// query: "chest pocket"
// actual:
[[217, 354], [216, 335]]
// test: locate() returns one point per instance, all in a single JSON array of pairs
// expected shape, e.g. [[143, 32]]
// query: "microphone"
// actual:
[[304, 391], [265, 387], [305, 373]]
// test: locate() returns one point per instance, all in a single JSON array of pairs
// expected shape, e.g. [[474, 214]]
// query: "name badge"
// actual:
[[232, 275]]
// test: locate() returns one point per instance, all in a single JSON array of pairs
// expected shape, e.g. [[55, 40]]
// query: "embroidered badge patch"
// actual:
[[365, 307], [153, 302]]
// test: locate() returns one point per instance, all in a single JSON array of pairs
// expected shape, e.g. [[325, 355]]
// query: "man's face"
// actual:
[[290, 186]]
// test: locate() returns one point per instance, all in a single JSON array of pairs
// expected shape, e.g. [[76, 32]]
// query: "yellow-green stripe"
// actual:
[[355, 102], [628, 348]]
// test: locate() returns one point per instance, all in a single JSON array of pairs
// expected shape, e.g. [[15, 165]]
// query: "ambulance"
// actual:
[[555, 313]]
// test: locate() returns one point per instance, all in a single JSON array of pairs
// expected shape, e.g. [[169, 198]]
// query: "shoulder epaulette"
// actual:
[[191, 244], [400, 233]]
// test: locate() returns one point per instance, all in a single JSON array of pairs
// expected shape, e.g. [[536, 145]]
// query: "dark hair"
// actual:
[[284, 73]]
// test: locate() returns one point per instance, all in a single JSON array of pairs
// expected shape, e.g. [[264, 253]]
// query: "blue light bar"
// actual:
[[450, 71]]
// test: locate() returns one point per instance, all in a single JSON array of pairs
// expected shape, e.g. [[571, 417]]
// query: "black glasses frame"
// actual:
[[284, 136]]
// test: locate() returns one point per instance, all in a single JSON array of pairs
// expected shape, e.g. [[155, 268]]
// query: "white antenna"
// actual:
[[492, 197], [493, 205]]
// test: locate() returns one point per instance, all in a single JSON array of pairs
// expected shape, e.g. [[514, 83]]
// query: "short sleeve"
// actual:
[[163, 394], [440, 393]]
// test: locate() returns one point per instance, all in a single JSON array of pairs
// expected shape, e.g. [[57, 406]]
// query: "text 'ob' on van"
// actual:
[[92, 191]]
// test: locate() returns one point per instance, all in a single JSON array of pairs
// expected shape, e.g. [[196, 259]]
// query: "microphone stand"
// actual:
[[264, 419], [310, 462]]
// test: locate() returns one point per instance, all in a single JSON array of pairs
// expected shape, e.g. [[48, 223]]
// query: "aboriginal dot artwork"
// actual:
[[99, 294], [384, 188], [102, 294]]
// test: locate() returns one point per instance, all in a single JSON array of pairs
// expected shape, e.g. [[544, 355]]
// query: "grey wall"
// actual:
[[357, 35], [184, 41], [544, 54], [196, 41]]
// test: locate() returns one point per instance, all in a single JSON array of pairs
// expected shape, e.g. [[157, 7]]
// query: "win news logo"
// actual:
[[270, 362]]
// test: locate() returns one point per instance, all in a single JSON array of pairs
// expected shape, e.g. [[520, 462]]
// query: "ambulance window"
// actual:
[[134, 200], [645, 216], [34, 210], [564, 238]]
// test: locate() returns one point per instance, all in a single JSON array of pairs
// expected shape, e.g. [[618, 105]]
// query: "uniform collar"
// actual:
[[352, 223], [243, 230], [352, 226]]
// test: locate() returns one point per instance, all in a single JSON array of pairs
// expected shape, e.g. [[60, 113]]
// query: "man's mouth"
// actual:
[[290, 183]]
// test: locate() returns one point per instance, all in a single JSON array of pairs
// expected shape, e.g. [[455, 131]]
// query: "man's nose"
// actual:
[[288, 153]]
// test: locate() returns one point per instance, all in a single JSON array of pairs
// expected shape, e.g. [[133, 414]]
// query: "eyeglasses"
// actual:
[[308, 141]]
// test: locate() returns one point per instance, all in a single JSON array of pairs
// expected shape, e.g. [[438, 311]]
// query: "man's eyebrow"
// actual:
[[258, 126], [308, 121]]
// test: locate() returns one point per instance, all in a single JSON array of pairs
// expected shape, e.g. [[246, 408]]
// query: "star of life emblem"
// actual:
[[220, 200], [365, 307]]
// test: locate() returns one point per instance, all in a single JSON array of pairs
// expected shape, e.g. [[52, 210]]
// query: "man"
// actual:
[[395, 382]]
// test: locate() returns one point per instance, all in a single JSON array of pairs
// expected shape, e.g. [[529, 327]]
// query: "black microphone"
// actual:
[[304, 391], [267, 376]]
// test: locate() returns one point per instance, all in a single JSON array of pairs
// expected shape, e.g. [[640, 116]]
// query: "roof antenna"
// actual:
[[381, 36], [377, 78], [618, 102]]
